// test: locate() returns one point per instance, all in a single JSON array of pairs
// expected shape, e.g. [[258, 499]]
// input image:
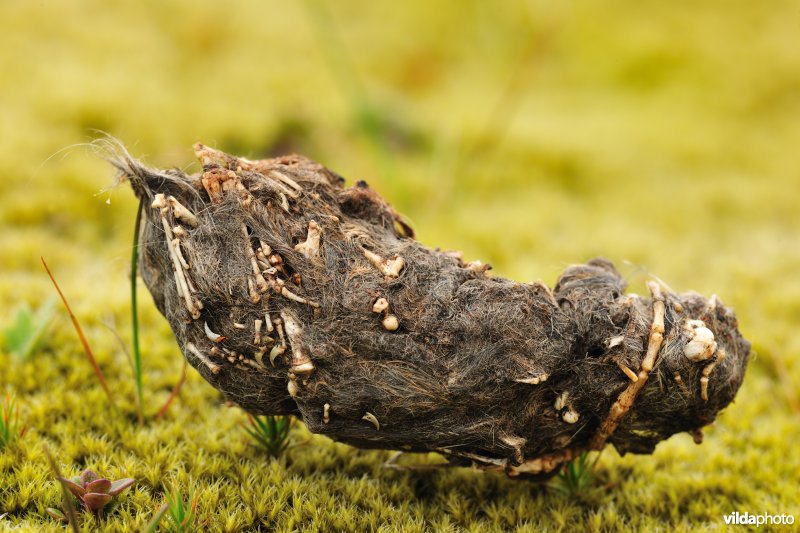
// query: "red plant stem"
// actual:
[[175, 391], [86, 348]]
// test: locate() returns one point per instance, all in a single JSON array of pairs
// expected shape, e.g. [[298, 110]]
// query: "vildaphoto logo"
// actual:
[[747, 519]]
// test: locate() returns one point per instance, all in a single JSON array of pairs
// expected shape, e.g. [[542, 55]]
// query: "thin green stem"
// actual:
[[137, 358]]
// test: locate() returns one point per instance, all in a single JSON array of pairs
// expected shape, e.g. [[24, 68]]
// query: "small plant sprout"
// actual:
[[180, 517], [92, 491], [26, 333], [9, 422], [269, 432], [577, 476]]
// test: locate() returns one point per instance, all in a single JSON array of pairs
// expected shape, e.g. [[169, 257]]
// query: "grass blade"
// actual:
[[9, 421], [86, 348], [152, 525], [270, 432], [577, 477], [137, 358], [66, 494]]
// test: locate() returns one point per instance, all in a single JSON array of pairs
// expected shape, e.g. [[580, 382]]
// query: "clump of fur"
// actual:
[[295, 295]]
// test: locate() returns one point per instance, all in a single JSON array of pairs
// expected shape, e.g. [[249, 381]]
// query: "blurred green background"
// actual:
[[530, 135]]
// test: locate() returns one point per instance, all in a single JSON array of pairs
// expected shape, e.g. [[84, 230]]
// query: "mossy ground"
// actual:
[[661, 136]]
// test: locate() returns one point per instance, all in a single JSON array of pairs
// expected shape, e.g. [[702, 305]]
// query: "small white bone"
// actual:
[[206, 361], [292, 328], [245, 197], [389, 268], [180, 276], [257, 326], [395, 267], [391, 323], [254, 364], [279, 324], [535, 380], [628, 372], [193, 288], [516, 443], [326, 413], [613, 342], [292, 388], [159, 201], [626, 398], [260, 355], [477, 266], [286, 293], [275, 352], [561, 401], [701, 345], [372, 419], [278, 349], [704, 388], [255, 297], [176, 244], [180, 212], [303, 368], [721, 354], [178, 284], [266, 249], [570, 416], [213, 337], [261, 283], [301, 362], [380, 305], [286, 179], [656, 328], [310, 247]]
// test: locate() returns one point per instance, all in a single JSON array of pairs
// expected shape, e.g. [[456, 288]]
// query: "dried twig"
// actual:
[[86, 348]]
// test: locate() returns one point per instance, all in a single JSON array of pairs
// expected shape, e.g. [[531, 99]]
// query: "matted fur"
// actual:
[[458, 374]]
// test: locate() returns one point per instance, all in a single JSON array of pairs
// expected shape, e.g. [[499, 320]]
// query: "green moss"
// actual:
[[647, 132]]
